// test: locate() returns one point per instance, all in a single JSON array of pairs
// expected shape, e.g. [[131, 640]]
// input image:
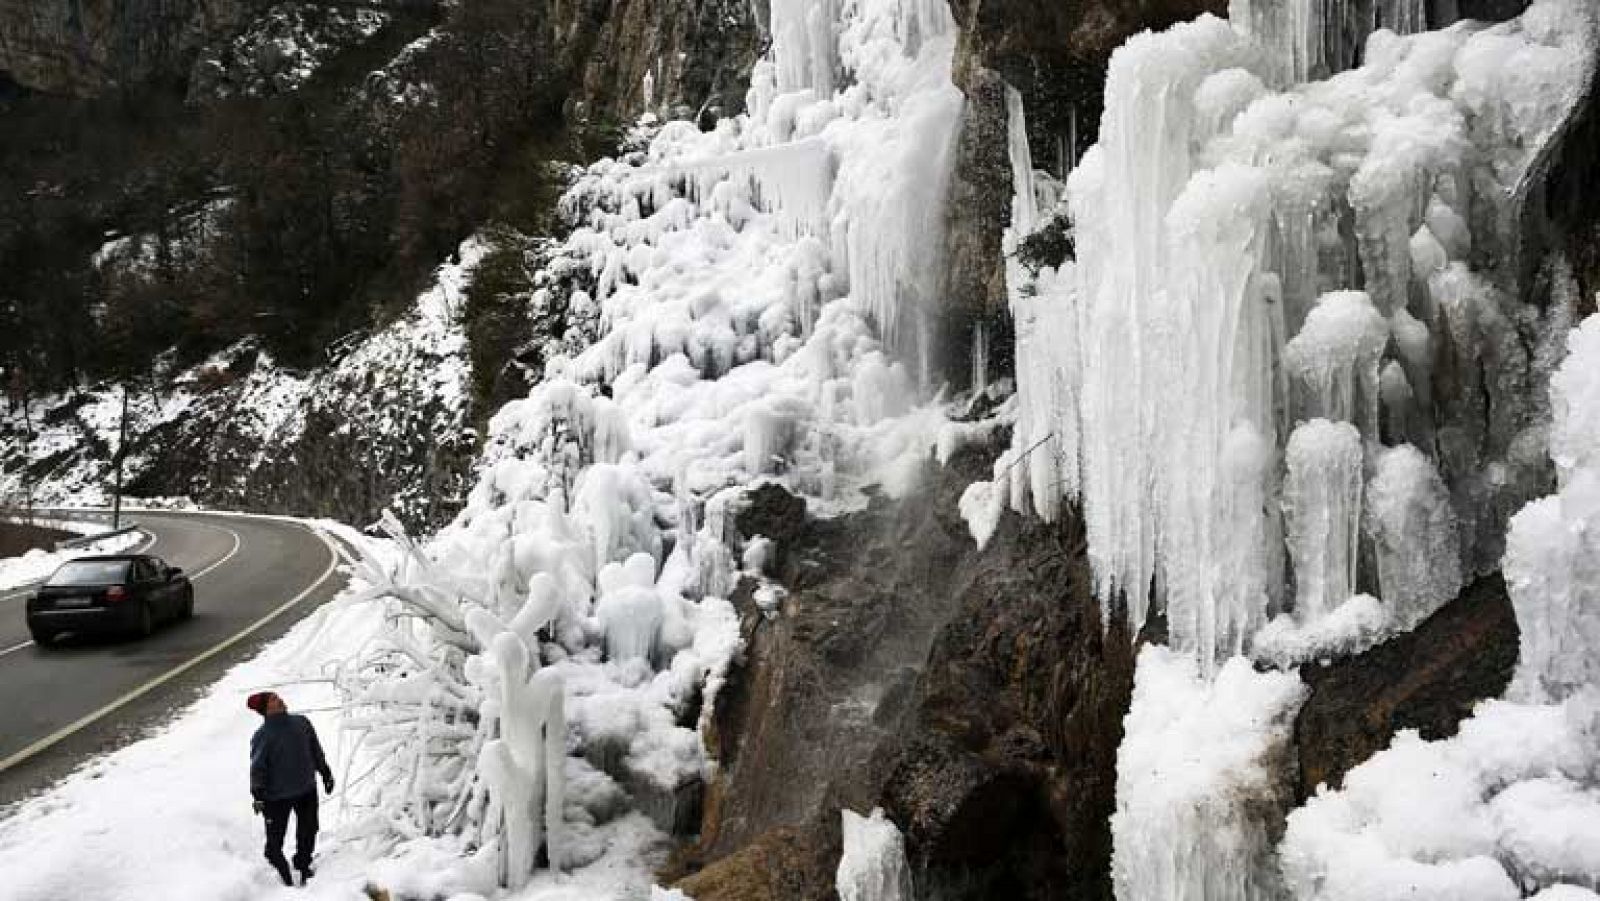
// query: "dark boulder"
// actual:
[[1428, 679]]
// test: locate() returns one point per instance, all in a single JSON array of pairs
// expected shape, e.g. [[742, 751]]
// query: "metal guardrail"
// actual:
[[99, 536]]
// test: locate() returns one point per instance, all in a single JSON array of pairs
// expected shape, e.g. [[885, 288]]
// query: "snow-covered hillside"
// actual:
[[238, 430]]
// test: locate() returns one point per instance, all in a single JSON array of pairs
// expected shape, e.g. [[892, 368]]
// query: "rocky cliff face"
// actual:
[[695, 56], [83, 47], [972, 695]]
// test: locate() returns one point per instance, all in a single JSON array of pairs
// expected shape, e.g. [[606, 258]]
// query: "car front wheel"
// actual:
[[41, 637], [187, 611]]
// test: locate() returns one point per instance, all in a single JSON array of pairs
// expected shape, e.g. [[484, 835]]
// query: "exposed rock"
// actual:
[[84, 47], [1008, 782], [781, 865], [698, 54], [972, 695], [1427, 679]]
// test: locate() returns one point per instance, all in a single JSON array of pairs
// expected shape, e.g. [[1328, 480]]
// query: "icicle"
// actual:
[[1024, 208], [1322, 504], [980, 358], [791, 181], [1044, 456]]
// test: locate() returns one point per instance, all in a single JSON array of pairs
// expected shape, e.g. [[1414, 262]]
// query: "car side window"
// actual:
[[143, 571]]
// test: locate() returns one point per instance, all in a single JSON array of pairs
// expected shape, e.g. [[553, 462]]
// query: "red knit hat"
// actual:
[[258, 701]]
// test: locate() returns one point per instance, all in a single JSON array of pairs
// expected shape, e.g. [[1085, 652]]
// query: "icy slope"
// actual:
[[748, 293]]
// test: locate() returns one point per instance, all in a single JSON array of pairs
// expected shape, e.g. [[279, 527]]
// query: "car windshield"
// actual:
[[90, 572]]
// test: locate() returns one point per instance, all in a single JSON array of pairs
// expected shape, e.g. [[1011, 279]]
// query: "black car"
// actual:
[[126, 593]]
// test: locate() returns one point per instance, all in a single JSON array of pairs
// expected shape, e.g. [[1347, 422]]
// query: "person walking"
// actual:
[[285, 759]]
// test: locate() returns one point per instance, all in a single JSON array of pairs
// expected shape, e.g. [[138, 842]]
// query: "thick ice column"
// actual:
[[525, 767], [1322, 505], [1414, 536], [1044, 308], [1290, 31], [1217, 340], [1119, 197]]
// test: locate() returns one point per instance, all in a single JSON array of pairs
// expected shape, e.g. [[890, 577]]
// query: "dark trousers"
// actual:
[[305, 831]]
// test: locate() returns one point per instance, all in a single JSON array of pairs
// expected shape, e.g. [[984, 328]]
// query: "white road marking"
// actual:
[[175, 672], [225, 557]]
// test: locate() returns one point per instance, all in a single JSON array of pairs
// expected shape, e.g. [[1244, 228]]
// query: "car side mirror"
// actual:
[[174, 572]]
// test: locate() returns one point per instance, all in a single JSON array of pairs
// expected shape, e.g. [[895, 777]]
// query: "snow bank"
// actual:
[[38, 564]]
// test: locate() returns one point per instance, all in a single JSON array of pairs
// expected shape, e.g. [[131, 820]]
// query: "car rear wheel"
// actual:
[[41, 637], [147, 622]]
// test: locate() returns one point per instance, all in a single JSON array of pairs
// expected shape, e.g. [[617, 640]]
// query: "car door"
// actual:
[[169, 591], [145, 588], [155, 585]]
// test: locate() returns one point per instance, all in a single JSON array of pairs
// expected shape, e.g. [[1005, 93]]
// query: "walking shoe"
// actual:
[[283, 873], [305, 874]]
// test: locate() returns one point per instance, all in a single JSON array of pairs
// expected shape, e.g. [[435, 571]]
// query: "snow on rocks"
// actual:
[[1510, 805], [411, 376]]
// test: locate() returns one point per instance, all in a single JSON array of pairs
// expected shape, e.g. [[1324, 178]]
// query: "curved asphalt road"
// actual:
[[253, 579]]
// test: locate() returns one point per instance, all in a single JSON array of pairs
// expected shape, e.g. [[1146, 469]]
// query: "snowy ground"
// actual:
[[170, 816]]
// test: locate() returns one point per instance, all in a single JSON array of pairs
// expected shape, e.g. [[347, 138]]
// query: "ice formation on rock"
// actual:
[[746, 299], [1553, 552], [1334, 359], [1307, 39], [1322, 504], [873, 866], [1511, 805], [1256, 250], [1196, 770], [1269, 270]]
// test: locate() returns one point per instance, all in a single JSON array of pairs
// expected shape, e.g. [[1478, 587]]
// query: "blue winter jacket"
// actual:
[[285, 758]]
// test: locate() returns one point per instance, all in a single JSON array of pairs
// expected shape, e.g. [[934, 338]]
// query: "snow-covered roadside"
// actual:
[[37, 564], [170, 816]]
